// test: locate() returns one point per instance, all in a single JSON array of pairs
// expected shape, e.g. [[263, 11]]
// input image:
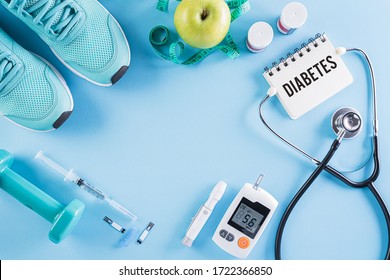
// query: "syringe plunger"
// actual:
[[73, 177]]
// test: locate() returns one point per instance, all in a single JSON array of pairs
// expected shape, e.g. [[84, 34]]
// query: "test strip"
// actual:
[[145, 233], [114, 225]]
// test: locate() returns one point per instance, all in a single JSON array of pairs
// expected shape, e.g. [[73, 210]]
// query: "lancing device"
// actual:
[[204, 213]]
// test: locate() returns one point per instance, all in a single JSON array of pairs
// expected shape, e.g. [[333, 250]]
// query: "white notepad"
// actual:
[[311, 75]]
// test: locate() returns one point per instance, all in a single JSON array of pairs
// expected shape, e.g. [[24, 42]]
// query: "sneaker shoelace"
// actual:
[[8, 70], [57, 16]]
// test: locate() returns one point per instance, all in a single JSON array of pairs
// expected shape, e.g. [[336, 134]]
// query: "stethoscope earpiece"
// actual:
[[347, 119]]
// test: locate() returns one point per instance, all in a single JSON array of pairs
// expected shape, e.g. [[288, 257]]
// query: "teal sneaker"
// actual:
[[81, 33], [32, 93]]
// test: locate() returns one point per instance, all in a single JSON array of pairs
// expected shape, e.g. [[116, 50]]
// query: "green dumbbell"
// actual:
[[64, 218]]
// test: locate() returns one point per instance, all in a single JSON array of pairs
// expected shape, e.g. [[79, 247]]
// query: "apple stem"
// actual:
[[204, 14]]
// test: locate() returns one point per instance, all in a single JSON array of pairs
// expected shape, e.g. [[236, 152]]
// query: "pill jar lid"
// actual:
[[293, 15], [260, 35]]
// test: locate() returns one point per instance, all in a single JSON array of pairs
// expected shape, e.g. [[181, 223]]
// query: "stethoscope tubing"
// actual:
[[298, 196], [331, 170], [362, 184], [323, 165], [386, 214]]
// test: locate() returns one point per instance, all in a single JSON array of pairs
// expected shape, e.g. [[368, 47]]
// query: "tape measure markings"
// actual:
[[241, 9], [162, 5]]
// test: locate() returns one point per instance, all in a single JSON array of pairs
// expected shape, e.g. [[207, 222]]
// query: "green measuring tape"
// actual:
[[159, 36], [162, 5]]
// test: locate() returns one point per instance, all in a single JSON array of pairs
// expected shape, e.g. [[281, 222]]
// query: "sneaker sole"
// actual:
[[65, 115], [118, 75]]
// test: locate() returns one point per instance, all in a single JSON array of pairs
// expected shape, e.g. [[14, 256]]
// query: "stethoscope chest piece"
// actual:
[[347, 119], [346, 123]]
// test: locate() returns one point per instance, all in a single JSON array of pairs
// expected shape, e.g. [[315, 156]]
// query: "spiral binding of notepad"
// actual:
[[312, 42]]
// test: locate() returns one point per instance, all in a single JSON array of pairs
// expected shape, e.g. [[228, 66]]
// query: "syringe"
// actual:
[[70, 175]]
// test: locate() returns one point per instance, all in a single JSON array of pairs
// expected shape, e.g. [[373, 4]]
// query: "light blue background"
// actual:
[[160, 139]]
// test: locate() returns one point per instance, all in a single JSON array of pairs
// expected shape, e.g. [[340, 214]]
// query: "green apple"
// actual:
[[202, 23]]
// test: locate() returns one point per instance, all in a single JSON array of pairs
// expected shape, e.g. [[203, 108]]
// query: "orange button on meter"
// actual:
[[243, 242]]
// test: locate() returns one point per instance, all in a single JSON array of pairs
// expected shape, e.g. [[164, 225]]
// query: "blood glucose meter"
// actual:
[[245, 220]]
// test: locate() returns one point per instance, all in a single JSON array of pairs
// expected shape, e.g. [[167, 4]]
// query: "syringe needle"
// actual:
[[51, 163], [121, 208], [73, 177]]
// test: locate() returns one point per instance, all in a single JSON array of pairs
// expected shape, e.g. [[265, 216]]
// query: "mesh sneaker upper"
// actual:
[[82, 34], [8, 70], [58, 15], [32, 96], [93, 48]]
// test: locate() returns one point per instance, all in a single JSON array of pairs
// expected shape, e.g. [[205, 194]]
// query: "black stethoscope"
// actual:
[[346, 123]]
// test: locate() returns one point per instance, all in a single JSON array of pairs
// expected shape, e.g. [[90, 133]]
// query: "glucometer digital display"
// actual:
[[245, 220], [248, 217]]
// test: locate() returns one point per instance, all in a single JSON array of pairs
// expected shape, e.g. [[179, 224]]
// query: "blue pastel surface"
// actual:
[[160, 139]]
